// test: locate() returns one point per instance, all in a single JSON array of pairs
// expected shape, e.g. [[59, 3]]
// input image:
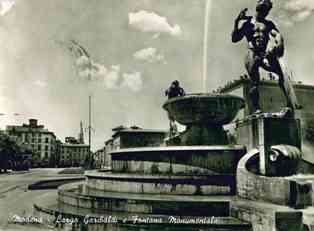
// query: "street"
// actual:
[[15, 199]]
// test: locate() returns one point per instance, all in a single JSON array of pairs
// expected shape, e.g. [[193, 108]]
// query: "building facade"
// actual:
[[73, 153], [38, 139], [107, 149], [99, 158], [273, 100], [135, 137]]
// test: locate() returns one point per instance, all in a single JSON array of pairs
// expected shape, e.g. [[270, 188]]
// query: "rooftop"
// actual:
[[19, 129], [129, 130], [31, 127], [74, 145]]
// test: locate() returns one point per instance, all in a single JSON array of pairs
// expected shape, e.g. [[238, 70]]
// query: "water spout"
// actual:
[[205, 43]]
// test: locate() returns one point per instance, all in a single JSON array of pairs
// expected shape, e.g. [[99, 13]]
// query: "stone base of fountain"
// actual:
[[139, 211], [200, 135], [266, 131]]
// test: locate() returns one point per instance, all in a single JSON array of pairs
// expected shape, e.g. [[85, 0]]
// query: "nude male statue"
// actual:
[[265, 47]]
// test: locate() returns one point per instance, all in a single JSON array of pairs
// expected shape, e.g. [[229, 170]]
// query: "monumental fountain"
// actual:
[[198, 180], [184, 187]]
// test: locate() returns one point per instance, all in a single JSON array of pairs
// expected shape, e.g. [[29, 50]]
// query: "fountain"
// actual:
[[199, 181], [174, 187], [187, 185]]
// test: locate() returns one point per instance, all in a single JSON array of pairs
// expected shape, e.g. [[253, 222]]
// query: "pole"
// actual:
[[90, 121], [90, 115]]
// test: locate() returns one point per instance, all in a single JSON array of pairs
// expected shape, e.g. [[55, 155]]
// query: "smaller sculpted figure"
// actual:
[[174, 91], [265, 48]]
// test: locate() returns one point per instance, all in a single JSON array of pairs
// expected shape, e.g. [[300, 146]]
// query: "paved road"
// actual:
[[15, 199]]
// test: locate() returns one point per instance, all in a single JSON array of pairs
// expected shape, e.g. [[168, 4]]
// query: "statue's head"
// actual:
[[176, 83], [263, 7]]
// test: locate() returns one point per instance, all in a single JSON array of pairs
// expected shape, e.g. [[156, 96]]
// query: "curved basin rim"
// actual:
[[180, 148], [202, 95]]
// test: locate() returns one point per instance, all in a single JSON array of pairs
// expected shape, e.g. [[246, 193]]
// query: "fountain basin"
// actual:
[[98, 201], [161, 184], [214, 109], [221, 159], [204, 115], [79, 204]]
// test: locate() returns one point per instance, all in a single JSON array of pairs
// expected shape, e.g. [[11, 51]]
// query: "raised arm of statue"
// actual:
[[239, 32]]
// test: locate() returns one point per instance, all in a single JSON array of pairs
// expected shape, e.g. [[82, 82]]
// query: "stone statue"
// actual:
[[174, 91], [265, 48]]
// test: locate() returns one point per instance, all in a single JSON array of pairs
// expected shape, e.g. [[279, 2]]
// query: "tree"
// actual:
[[7, 151], [10, 152]]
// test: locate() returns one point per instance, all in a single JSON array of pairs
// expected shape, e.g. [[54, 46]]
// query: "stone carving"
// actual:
[[265, 48], [174, 91]]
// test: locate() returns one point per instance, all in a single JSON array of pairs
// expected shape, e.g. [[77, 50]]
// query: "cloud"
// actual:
[[111, 78], [3, 99], [91, 70], [40, 83], [82, 61], [156, 36], [149, 54], [98, 70], [298, 10], [5, 6], [133, 81], [152, 22]]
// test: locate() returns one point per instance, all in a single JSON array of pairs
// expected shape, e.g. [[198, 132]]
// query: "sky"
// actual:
[[134, 50]]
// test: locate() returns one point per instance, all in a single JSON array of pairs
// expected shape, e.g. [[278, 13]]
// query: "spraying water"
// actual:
[[205, 42]]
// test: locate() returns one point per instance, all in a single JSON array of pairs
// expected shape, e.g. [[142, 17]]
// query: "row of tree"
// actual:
[[12, 154]]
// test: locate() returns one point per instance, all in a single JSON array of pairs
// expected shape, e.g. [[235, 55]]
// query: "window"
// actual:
[[47, 140], [26, 138], [46, 148], [39, 147], [46, 155]]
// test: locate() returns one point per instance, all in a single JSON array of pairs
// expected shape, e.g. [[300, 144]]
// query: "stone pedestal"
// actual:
[[289, 221], [300, 194], [204, 135], [263, 132]]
